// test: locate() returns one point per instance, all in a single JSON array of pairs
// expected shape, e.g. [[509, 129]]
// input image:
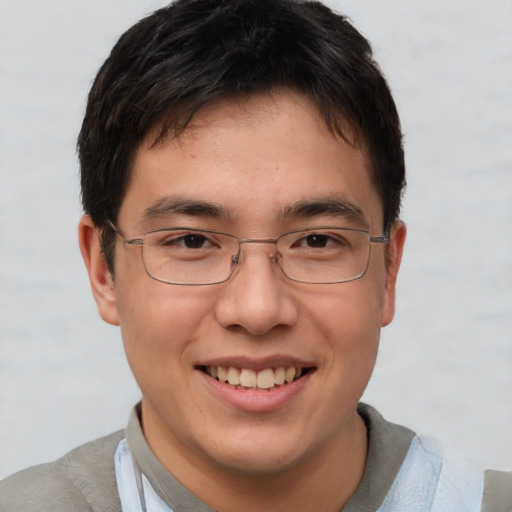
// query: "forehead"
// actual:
[[261, 155]]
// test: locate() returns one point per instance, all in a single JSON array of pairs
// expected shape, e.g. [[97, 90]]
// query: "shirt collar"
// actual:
[[387, 448]]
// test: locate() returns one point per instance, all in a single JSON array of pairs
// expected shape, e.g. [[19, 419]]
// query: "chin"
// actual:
[[260, 464], [263, 456]]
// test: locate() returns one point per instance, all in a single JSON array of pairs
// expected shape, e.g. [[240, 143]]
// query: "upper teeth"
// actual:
[[252, 379]]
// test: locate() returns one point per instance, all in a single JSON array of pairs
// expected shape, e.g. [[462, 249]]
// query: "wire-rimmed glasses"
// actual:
[[196, 256]]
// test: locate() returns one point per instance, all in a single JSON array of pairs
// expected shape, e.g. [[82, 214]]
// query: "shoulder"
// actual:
[[455, 485], [83, 480], [497, 491], [409, 469]]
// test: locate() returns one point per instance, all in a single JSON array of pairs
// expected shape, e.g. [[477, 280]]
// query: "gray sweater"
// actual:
[[84, 480]]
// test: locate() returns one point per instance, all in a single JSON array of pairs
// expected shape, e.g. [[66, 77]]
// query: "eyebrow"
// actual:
[[169, 205], [332, 206]]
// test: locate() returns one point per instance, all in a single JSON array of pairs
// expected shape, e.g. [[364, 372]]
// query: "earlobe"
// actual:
[[102, 283], [395, 248]]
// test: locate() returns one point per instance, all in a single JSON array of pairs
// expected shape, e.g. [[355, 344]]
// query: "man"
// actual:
[[242, 172]]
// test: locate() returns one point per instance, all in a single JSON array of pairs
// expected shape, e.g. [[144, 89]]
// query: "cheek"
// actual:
[[160, 324], [353, 310], [349, 320], [160, 337]]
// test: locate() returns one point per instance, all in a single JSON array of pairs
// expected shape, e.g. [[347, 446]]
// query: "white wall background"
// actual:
[[445, 367]]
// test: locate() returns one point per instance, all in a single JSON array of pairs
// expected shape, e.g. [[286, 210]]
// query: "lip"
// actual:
[[259, 363], [248, 400]]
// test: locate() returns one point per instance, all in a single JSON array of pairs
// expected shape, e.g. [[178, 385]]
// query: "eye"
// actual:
[[192, 241], [187, 241], [319, 241], [316, 240]]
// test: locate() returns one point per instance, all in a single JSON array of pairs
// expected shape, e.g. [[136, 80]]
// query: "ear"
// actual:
[[102, 282], [395, 248]]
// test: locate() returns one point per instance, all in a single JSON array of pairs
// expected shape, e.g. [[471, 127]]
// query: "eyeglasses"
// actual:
[[190, 256]]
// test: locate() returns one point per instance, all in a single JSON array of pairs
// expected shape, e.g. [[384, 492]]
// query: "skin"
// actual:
[[254, 158]]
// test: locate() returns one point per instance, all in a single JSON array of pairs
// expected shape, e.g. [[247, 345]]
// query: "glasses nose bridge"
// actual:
[[258, 241], [242, 241]]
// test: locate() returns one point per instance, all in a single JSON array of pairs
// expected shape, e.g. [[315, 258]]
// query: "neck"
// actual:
[[323, 481]]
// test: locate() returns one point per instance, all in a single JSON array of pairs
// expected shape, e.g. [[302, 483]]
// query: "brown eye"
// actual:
[[316, 240], [193, 241], [187, 241]]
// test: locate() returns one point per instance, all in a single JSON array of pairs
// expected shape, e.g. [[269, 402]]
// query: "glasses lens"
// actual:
[[324, 255], [182, 256], [194, 257]]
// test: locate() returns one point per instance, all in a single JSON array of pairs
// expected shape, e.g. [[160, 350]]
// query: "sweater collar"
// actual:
[[387, 447]]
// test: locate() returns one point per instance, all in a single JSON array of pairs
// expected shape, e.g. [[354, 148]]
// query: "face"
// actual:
[[254, 161]]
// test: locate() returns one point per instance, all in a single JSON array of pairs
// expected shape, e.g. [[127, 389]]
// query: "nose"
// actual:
[[257, 298]]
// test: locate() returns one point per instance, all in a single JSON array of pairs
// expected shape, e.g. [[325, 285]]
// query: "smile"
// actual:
[[249, 379]]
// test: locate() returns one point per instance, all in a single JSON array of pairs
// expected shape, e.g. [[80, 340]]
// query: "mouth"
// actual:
[[249, 379]]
